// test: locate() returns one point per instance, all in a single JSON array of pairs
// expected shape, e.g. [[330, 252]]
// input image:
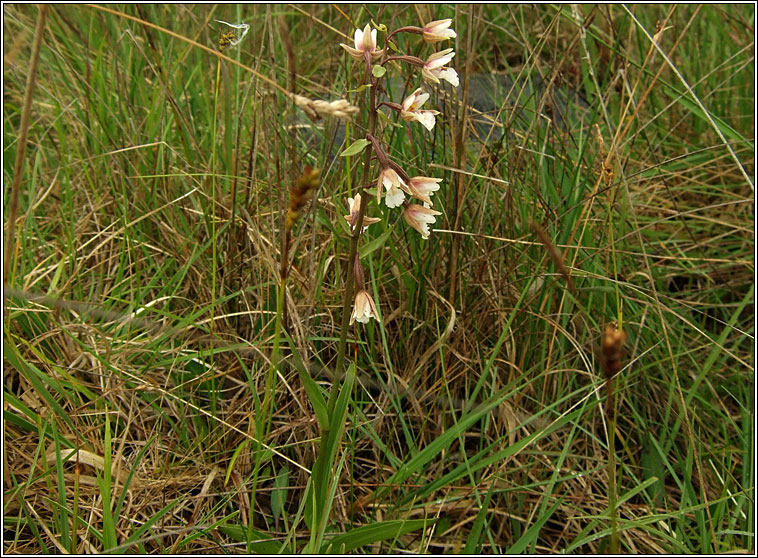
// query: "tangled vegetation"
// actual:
[[565, 364]]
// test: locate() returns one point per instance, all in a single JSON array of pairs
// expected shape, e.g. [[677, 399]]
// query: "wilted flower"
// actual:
[[365, 41], [438, 31], [364, 308], [394, 186], [421, 187], [410, 110], [434, 69], [420, 217], [354, 205]]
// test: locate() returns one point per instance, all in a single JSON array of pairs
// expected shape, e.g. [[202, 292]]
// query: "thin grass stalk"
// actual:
[[75, 506], [214, 255], [260, 423], [268, 398], [612, 489], [181, 122], [611, 355], [21, 151], [459, 153], [291, 81]]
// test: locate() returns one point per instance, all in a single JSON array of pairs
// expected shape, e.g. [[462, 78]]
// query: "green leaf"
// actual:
[[360, 88], [340, 410], [279, 493], [441, 443], [695, 109], [375, 244], [198, 533], [262, 542], [311, 387], [653, 468], [472, 542], [356, 147], [387, 121], [375, 532], [520, 546], [110, 537], [132, 471], [233, 460], [38, 379], [137, 535], [378, 71], [322, 469], [332, 490]]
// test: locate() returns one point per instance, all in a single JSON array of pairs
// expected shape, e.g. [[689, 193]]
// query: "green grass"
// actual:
[[140, 326]]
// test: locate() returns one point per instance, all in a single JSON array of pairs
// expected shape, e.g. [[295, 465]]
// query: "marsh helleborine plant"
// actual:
[[392, 182]]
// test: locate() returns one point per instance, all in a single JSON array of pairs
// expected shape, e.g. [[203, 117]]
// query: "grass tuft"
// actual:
[[155, 402]]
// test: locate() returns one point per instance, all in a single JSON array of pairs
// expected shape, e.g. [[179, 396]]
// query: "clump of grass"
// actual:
[[472, 421]]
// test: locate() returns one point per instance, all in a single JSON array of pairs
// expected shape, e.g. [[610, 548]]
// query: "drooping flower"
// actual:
[[354, 204], [421, 187], [364, 308], [438, 31], [394, 186], [420, 217], [435, 68], [410, 110], [365, 41]]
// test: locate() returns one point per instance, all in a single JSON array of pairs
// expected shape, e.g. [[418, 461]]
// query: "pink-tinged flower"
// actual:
[[394, 186], [421, 187], [435, 68], [364, 308], [410, 110], [420, 217], [355, 204], [438, 31], [365, 41]]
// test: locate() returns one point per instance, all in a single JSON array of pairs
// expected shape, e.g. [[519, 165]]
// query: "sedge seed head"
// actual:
[[301, 193]]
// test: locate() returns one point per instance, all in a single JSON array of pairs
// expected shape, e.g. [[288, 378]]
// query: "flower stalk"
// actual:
[[611, 360], [355, 236], [396, 182]]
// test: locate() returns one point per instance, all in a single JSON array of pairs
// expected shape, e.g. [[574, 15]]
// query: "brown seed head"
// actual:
[[301, 193], [612, 350]]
